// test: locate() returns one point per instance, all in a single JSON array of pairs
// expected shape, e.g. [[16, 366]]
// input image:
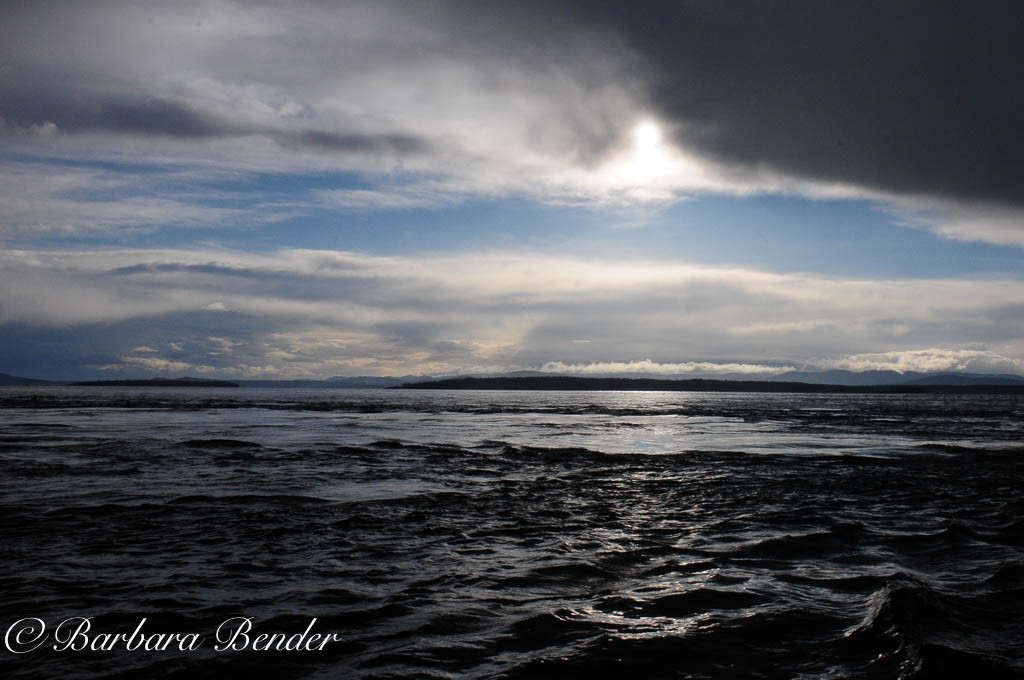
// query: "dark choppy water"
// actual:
[[520, 534]]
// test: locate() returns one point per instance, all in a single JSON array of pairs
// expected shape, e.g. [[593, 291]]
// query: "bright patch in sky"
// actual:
[[649, 170], [649, 160], [646, 138]]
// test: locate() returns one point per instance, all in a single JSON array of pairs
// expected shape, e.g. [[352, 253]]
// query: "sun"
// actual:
[[646, 137], [649, 159], [648, 166]]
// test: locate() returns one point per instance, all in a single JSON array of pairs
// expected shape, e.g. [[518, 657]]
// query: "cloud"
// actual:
[[655, 368], [122, 118], [155, 365], [984, 221], [42, 198], [435, 103], [930, 360], [46, 113], [890, 96], [354, 79], [319, 312], [76, 113], [420, 194]]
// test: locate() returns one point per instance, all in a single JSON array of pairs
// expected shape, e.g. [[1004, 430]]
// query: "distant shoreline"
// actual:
[[155, 382], [923, 384], [574, 384]]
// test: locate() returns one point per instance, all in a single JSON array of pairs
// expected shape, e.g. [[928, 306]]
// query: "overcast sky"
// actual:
[[312, 189]]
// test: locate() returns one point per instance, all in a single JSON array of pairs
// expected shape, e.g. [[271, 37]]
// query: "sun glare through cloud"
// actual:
[[649, 169], [650, 158], [646, 137]]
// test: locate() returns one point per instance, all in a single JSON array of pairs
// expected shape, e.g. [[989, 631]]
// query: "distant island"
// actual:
[[570, 383], [835, 381], [156, 382], [7, 380]]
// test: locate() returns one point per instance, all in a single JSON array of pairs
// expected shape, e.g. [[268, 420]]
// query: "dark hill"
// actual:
[[13, 380], [157, 382], [693, 385]]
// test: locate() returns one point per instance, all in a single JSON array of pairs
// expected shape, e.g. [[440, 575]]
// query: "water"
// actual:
[[518, 534]]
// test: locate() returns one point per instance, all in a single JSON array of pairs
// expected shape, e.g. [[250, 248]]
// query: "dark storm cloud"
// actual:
[[921, 97]]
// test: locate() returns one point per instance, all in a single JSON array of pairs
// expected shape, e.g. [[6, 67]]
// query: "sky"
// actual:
[[315, 189]]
